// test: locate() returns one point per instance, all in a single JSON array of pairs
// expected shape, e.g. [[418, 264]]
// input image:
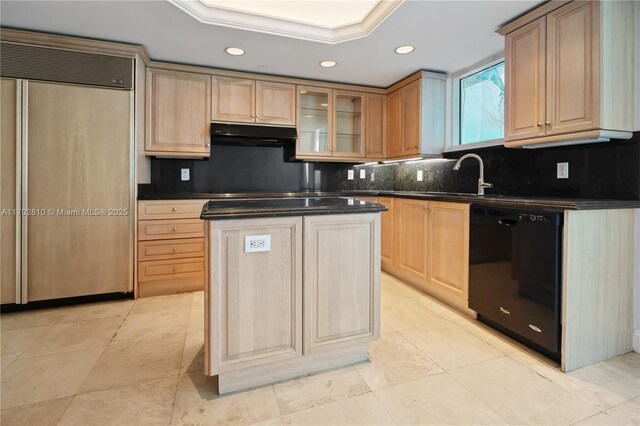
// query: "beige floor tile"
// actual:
[[193, 355], [39, 414], [402, 313], [73, 336], [6, 362], [627, 413], [394, 360], [197, 403], [31, 380], [29, 319], [435, 400], [385, 327], [599, 385], [363, 409], [489, 335], [319, 389], [449, 345], [14, 342], [172, 303], [276, 421], [160, 325], [519, 395], [90, 311], [196, 317], [131, 361], [148, 402]]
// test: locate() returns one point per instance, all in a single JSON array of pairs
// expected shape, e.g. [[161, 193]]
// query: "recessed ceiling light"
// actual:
[[403, 50], [328, 64], [235, 51]]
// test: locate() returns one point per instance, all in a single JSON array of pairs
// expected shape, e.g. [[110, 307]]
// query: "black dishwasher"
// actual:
[[515, 260]]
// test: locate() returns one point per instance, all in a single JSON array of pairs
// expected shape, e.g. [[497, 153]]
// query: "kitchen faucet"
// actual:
[[481, 183]]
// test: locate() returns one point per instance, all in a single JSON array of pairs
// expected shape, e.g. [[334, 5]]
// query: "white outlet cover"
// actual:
[[350, 174], [363, 173], [419, 176], [563, 170], [257, 243], [184, 175], [373, 177]]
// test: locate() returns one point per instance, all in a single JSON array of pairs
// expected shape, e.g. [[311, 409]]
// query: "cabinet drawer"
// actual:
[[170, 269], [171, 249], [170, 209], [169, 229]]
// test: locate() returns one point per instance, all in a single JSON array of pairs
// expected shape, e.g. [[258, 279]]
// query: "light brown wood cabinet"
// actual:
[[412, 229], [375, 141], [387, 231], [178, 111], [249, 101], [569, 74], [172, 248], [416, 117]]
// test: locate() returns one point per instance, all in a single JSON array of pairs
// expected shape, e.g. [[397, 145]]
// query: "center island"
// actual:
[[293, 287]]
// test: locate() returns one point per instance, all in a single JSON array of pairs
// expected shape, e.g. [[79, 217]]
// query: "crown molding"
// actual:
[[276, 26]]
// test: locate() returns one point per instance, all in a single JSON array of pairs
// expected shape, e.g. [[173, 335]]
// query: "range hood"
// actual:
[[245, 134]]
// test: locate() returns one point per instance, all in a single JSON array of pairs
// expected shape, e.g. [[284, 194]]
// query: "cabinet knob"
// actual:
[[174, 209], [253, 115], [174, 229], [258, 115], [539, 124], [173, 249], [208, 145], [174, 269], [548, 123]]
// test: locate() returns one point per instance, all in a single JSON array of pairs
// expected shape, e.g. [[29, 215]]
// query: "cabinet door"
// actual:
[[342, 281], [525, 70], [178, 113], [449, 247], [315, 106], [275, 103], [8, 222], [255, 304], [348, 119], [386, 233], [234, 99], [411, 118], [412, 227], [375, 125], [394, 127], [573, 52]]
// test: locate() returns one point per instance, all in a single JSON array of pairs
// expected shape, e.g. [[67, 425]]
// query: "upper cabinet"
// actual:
[[177, 113], [416, 117], [330, 123], [249, 101], [375, 125], [570, 74]]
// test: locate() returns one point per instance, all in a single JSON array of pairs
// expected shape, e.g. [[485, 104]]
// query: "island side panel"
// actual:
[[255, 298], [341, 281]]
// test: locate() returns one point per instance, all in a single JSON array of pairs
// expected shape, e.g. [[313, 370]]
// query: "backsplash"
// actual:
[[603, 170]]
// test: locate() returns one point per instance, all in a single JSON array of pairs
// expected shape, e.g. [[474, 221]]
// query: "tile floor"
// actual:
[[127, 363]]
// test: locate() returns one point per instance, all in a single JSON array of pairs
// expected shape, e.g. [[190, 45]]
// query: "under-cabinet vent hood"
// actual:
[[243, 134]]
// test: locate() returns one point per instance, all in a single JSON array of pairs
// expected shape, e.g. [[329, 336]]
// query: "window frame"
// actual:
[[454, 101]]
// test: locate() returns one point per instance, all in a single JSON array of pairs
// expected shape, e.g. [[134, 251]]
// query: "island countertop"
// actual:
[[307, 206]]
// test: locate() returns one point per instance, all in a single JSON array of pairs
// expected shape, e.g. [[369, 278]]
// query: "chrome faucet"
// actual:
[[481, 183]]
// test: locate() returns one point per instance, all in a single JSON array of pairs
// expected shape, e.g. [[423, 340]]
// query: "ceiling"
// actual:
[[448, 36]]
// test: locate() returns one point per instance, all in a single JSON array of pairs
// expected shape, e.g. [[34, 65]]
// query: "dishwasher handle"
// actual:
[[507, 222]]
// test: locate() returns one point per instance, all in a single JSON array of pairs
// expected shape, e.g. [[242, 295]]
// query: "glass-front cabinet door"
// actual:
[[348, 124], [314, 121]]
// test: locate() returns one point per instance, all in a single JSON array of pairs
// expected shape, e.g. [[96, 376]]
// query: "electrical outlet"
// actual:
[[184, 175], [363, 173], [373, 176], [350, 174], [419, 176], [563, 171], [257, 243]]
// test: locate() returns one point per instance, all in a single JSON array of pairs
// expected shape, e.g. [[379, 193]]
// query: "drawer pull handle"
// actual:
[[174, 229], [173, 269], [175, 209], [505, 311], [173, 249], [534, 328]]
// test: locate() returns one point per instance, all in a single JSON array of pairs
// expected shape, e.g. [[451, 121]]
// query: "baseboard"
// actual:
[[636, 341]]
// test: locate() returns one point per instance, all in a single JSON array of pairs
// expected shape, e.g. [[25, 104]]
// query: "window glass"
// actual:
[[482, 105]]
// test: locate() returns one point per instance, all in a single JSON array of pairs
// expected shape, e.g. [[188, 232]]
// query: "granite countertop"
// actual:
[[292, 206], [540, 203]]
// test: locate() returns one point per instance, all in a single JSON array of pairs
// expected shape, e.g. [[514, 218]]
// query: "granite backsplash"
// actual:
[[602, 170]]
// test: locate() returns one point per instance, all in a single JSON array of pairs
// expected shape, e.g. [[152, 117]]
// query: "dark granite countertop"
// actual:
[[276, 207], [540, 203]]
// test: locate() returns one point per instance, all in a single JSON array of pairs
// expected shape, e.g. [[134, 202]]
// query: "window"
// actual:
[[482, 105]]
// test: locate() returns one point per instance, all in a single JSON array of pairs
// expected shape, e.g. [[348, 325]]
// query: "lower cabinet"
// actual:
[[412, 230], [386, 232]]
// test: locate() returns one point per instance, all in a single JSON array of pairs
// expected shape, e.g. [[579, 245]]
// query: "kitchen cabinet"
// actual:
[[411, 219], [569, 73], [387, 231], [416, 116], [178, 111], [449, 247], [330, 123], [243, 100], [375, 140], [172, 248], [9, 223]]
